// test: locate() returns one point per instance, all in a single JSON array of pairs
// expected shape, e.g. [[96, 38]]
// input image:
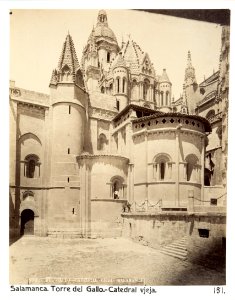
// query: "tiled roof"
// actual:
[[133, 55], [68, 59], [68, 55], [164, 77], [136, 108]]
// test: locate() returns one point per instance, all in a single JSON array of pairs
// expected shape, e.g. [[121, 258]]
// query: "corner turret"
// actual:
[[165, 92]]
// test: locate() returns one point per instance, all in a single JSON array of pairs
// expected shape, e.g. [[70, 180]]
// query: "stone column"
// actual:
[[119, 148], [190, 201], [177, 147], [202, 167], [146, 165], [46, 174], [131, 183], [85, 198], [169, 170], [141, 90]]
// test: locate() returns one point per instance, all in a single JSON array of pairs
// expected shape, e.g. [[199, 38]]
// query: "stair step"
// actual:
[[179, 244], [183, 248], [173, 250], [177, 249], [174, 255]]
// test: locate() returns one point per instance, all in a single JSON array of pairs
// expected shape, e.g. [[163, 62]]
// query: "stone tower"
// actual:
[[190, 87], [68, 107], [120, 77], [100, 51], [165, 92]]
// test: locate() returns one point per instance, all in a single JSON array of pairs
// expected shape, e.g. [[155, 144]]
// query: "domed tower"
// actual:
[[101, 49], [165, 92], [120, 76], [67, 130]]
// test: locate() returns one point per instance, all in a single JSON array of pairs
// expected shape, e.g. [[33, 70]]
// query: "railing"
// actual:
[[203, 202], [145, 206]]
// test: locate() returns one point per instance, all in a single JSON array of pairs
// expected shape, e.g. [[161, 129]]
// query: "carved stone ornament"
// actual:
[[16, 92]]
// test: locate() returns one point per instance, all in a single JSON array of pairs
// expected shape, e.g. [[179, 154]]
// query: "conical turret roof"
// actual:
[[133, 55], [68, 62], [119, 61], [68, 55], [164, 77]]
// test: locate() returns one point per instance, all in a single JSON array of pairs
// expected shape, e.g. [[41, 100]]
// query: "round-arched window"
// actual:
[[32, 166]]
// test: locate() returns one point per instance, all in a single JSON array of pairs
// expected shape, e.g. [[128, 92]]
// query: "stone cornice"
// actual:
[[31, 104], [95, 156], [165, 131], [101, 114]]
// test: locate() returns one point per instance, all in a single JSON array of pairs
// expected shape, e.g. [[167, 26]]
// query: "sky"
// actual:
[[37, 36]]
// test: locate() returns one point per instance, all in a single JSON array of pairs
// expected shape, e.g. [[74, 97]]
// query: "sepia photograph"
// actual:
[[118, 147]]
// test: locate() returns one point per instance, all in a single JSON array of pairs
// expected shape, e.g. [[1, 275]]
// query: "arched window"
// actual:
[[118, 188], [118, 85], [102, 142], [209, 169], [167, 98], [108, 56], [65, 76], [134, 92], [210, 114], [28, 195], [162, 170], [111, 88], [162, 167], [161, 98], [146, 89], [191, 167], [32, 166], [124, 85], [118, 104]]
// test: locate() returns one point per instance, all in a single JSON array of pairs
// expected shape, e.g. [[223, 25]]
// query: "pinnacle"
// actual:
[[68, 62], [189, 71], [68, 55], [189, 59], [164, 77]]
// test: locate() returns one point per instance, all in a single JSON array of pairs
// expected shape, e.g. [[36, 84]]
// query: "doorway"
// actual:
[[27, 222]]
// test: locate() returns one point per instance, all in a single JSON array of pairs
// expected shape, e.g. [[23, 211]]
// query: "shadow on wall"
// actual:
[[13, 222]]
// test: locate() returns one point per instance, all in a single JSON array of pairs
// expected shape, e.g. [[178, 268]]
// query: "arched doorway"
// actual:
[[27, 222]]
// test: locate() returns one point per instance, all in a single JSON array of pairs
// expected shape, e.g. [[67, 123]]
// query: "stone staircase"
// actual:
[[177, 249]]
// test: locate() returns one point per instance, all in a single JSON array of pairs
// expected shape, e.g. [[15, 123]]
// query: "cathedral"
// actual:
[[110, 143]]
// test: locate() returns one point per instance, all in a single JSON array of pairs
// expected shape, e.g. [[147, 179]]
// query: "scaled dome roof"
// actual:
[[102, 29]]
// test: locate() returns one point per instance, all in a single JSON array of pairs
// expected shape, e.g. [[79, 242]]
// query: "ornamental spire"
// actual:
[[190, 77], [68, 55], [68, 64], [189, 62]]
